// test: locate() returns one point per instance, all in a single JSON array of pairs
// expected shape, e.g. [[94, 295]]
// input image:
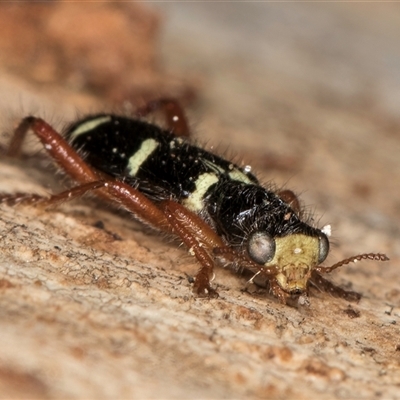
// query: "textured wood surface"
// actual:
[[308, 96]]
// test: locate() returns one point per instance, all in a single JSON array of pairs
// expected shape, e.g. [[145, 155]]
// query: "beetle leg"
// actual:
[[321, 283], [174, 115], [199, 238], [290, 198], [241, 261], [278, 292], [57, 147], [53, 200]]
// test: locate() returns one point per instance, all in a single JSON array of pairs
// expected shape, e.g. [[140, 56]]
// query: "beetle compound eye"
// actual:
[[323, 248], [261, 247]]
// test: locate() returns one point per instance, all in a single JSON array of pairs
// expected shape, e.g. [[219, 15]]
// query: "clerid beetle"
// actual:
[[218, 209]]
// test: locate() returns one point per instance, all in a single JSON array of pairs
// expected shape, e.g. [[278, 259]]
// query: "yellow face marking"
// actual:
[[147, 147], [296, 256], [89, 126], [195, 201]]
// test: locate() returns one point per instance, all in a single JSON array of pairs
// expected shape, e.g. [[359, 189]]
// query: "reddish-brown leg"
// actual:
[[57, 147], [204, 242], [53, 200], [199, 238], [116, 191], [174, 115], [290, 198], [278, 292], [242, 261], [14, 148], [323, 284], [194, 224]]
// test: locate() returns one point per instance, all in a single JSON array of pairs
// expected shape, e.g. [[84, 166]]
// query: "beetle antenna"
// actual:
[[354, 259]]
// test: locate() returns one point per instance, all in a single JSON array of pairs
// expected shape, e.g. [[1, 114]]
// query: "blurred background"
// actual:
[[300, 79]]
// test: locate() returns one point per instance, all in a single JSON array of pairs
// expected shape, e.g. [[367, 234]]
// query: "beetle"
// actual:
[[217, 208]]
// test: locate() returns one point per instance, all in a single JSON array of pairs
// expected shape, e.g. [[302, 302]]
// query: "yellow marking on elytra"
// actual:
[[295, 255], [145, 150], [195, 201], [213, 166], [89, 126], [234, 173], [237, 175]]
